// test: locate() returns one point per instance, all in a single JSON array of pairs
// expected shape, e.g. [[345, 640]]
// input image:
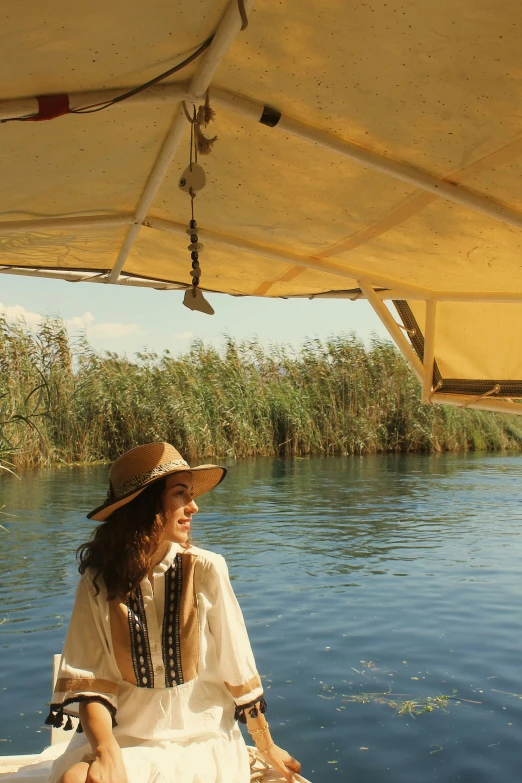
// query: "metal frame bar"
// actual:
[[354, 295], [373, 160], [246, 107], [235, 243], [395, 289], [253, 109], [58, 223], [420, 296], [485, 404], [224, 37], [157, 175], [159, 93], [395, 332], [429, 350], [82, 276]]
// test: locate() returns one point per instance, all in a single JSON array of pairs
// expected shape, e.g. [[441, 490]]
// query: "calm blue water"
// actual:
[[395, 575]]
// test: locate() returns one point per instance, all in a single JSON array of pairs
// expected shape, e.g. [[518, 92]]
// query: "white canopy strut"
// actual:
[[247, 107], [222, 41]]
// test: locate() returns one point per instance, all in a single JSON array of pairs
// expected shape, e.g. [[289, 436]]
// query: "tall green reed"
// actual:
[[63, 402]]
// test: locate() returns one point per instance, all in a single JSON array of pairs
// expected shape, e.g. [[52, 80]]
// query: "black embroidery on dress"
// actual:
[[251, 708], [139, 637], [171, 649], [57, 712]]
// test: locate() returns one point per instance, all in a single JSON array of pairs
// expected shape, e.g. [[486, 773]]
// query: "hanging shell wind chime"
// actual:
[[191, 181]]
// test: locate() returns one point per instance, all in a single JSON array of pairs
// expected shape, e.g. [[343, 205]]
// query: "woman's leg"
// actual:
[[76, 774]]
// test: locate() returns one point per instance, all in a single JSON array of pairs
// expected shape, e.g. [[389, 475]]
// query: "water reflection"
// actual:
[[409, 564]]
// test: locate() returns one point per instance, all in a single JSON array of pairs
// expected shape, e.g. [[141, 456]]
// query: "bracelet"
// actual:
[[266, 750], [259, 731]]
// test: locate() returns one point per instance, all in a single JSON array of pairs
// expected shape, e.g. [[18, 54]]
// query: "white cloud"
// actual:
[[17, 313], [112, 330], [107, 330], [183, 335], [80, 321]]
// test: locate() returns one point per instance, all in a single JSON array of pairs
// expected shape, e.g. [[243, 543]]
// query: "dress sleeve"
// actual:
[[87, 670], [235, 658]]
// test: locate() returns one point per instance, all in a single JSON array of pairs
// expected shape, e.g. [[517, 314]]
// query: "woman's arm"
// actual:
[[238, 667], [107, 766], [277, 757], [87, 668]]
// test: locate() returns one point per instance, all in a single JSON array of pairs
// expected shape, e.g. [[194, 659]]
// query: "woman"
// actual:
[[157, 661]]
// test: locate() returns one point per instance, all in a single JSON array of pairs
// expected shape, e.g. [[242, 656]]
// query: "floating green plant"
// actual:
[[404, 706]]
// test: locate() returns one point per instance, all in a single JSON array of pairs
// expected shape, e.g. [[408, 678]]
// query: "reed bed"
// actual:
[[61, 402]]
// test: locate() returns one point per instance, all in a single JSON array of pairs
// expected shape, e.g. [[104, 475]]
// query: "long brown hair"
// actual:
[[121, 548]]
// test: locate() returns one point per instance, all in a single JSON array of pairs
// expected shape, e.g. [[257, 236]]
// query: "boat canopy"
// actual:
[[363, 150]]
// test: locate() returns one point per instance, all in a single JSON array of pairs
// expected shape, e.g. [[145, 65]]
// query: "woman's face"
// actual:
[[178, 507]]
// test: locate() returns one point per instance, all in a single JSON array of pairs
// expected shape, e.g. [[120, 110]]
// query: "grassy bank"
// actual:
[[66, 403]]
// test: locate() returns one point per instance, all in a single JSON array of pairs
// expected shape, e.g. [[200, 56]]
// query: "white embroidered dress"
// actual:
[[171, 665]]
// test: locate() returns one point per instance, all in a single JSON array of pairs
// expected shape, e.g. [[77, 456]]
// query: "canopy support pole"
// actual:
[[484, 404], [257, 111], [159, 93], [59, 223], [395, 289], [223, 39], [392, 327], [90, 276], [429, 351], [156, 178], [373, 160], [235, 243], [355, 295]]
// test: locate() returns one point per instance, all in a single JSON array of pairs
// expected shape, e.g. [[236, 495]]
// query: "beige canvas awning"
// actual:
[[363, 150]]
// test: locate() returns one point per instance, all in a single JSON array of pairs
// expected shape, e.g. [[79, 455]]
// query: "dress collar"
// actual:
[[168, 559]]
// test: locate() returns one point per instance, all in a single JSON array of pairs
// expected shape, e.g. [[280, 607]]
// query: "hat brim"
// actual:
[[205, 478]]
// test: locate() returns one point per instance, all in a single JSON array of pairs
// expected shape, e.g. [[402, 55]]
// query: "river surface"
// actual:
[[391, 575]]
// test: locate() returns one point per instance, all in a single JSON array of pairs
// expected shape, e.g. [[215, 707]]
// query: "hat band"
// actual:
[[136, 482]]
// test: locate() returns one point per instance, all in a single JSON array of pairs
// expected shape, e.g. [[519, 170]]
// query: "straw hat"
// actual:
[[139, 467]]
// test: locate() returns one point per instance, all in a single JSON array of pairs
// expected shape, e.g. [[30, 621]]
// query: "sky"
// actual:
[[128, 320]]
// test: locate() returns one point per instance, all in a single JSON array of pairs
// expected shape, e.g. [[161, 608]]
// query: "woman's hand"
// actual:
[[107, 766], [106, 761], [280, 760]]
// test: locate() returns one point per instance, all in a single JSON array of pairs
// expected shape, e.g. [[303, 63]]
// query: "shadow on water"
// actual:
[[381, 574]]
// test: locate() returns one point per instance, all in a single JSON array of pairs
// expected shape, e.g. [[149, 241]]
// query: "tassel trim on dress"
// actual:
[[253, 708], [56, 712]]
